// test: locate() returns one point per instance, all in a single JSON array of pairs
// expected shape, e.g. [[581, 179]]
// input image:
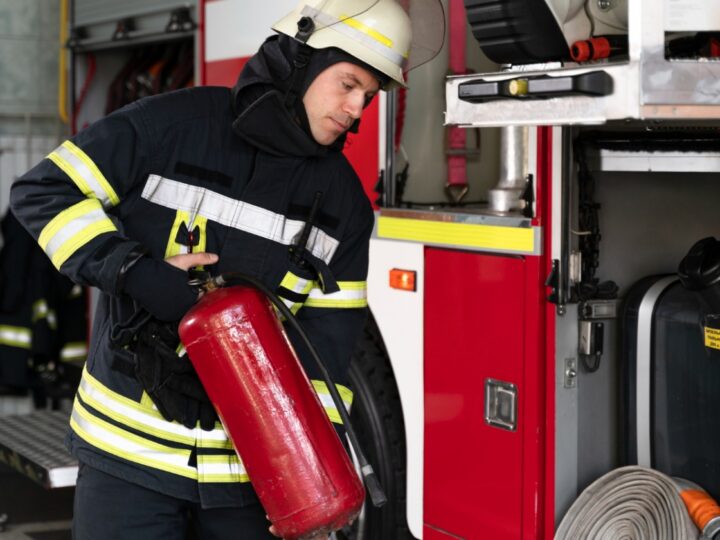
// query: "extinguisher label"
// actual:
[[712, 338]]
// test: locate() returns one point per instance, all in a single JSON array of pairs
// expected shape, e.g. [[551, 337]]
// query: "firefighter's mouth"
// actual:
[[341, 126]]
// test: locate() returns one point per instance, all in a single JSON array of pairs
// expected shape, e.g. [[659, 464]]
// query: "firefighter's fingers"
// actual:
[[186, 261], [273, 531]]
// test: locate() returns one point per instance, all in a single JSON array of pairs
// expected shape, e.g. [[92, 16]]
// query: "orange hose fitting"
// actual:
[[701, 506]]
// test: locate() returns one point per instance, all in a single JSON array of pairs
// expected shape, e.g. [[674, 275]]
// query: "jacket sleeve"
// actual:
[[68, 201], [334, 322]]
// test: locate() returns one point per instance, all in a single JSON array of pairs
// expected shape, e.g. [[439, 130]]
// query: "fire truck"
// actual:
[[490, 380], [571, 152]]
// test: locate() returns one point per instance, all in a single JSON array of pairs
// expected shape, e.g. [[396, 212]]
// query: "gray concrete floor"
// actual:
[[33, 512]]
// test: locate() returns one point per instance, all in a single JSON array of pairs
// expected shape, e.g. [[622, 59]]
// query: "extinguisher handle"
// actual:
[[372, 483]]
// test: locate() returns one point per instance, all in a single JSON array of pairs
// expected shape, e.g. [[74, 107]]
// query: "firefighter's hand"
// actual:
[[161, 287], [186, 261]]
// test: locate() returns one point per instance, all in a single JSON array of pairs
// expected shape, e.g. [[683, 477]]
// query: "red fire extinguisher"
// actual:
[[293, 456]]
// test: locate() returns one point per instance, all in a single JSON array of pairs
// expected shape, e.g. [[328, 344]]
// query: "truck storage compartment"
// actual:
[[671, 377]]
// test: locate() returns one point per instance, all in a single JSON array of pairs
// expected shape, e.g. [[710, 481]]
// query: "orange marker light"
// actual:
[[403, 279]]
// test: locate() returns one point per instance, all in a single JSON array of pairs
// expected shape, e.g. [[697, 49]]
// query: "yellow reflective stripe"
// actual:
[[221, 468], [129, 446], [73, 351], [120, 415], [138, 449], [357, 25], [83, 171], [147, 403], [475, 235], [75, 292], [352, 294], [73, 228], [15, 336], [174, 248], [298, 285], [201, 223], [40, 310], [143, 417], [326, 399], [365, 35]]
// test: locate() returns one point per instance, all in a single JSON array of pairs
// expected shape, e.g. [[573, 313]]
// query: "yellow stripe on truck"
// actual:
[[471, 235]]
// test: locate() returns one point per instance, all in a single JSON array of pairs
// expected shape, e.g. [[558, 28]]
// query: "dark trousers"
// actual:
[[110, 508]]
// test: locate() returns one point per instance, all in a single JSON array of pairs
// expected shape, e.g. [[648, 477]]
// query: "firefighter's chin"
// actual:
[[327, 132]]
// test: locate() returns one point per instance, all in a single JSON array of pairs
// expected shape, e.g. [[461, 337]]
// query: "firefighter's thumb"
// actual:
[[186, 261]]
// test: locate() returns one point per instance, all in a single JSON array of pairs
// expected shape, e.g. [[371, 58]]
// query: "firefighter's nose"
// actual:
[[354, 105]]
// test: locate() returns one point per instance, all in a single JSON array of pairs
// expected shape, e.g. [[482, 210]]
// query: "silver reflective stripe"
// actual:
[[138, 449], [231, 467], [74, 227], [327, 402], [76, 292], [15, 336], [40, 310], [355, 34], [78, 166], [109, 438], [129, 412], [352, 294], [297, 285], [73, 351], [236, 214], [52, 319], [221, 468], [643, 366]]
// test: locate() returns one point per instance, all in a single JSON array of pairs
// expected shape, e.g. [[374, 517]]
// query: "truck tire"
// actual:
[[377, 417]]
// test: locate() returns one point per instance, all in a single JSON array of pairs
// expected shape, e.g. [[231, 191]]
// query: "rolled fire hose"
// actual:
[[629, 503]]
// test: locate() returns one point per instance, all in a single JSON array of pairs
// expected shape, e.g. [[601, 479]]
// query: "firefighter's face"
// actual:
[[336, 98]]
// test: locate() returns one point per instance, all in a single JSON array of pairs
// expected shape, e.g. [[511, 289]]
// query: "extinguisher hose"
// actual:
[[372, 484]]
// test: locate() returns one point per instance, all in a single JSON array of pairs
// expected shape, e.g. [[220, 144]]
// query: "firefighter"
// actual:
[[217, 180]]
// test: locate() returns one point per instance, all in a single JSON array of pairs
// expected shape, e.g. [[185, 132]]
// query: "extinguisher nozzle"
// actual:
[[372, 484]]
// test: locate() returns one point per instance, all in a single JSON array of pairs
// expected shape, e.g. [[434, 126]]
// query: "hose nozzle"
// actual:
[[377, 495]]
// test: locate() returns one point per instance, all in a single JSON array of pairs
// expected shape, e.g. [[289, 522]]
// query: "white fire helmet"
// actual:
[[391, 36]]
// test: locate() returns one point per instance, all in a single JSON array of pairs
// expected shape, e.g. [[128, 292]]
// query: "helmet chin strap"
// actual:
[[306, 27]]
